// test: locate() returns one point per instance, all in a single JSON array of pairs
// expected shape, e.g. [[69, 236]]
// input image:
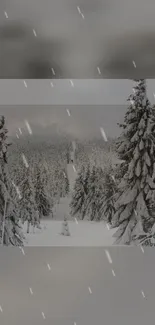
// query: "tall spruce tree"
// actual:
[[28, 206], [94, 197], [66, 184], [78, 203], [10, 230], [63, 183], [135, 206], [109, 193], [42, 198]]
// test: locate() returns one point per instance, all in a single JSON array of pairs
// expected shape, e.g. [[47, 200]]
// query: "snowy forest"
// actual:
[[103, 182]]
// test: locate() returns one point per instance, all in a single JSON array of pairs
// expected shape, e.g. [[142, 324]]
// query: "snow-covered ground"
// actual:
[[83, 233]]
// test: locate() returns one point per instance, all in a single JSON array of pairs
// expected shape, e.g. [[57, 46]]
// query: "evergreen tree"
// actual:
[[67, 186], [120, 171], [63, 182], [60, 183], [78, 203], [41, 192], [29, 211], [65, 227], [94, 197], [135, 206], [108, 197], [10, 230], [144, 239]]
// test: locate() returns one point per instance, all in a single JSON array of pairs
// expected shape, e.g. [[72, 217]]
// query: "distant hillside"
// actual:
[[54, 149]]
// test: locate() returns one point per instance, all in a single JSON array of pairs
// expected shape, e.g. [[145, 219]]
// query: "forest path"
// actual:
[[72, 175]]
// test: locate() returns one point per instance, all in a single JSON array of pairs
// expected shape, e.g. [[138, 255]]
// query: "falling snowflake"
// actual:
[[31, 291], [6, 15], [90, 291], [68, 112], [20, 131], [99, 71], [25, 161], [74, 168], [72, 84], [108, 256], [134, 63], [43, 315], [53, 71], [142, 249], [49, 267], [113, 273], [78, 8], [34, 32], [28, 127], [76, 221], [25, 84], [17, 190], [22, 250], [103, 134]]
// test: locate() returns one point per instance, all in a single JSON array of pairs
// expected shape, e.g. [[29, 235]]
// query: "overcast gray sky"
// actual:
[[84, 92], [84, 121], [112, 34], [92, 104]]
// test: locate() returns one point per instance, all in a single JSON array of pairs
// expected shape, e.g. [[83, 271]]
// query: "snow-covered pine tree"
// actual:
[[135, 206], [63, 183], [94, 197], [146, 239], [121, 169], [59, 183], [51, 186], [41, 192], [65, 227], [107, 209], [10, 230], [28, 206], [78, 203], [67, 186]]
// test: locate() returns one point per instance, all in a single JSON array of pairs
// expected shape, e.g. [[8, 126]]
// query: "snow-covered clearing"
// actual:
[[85, 233]]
